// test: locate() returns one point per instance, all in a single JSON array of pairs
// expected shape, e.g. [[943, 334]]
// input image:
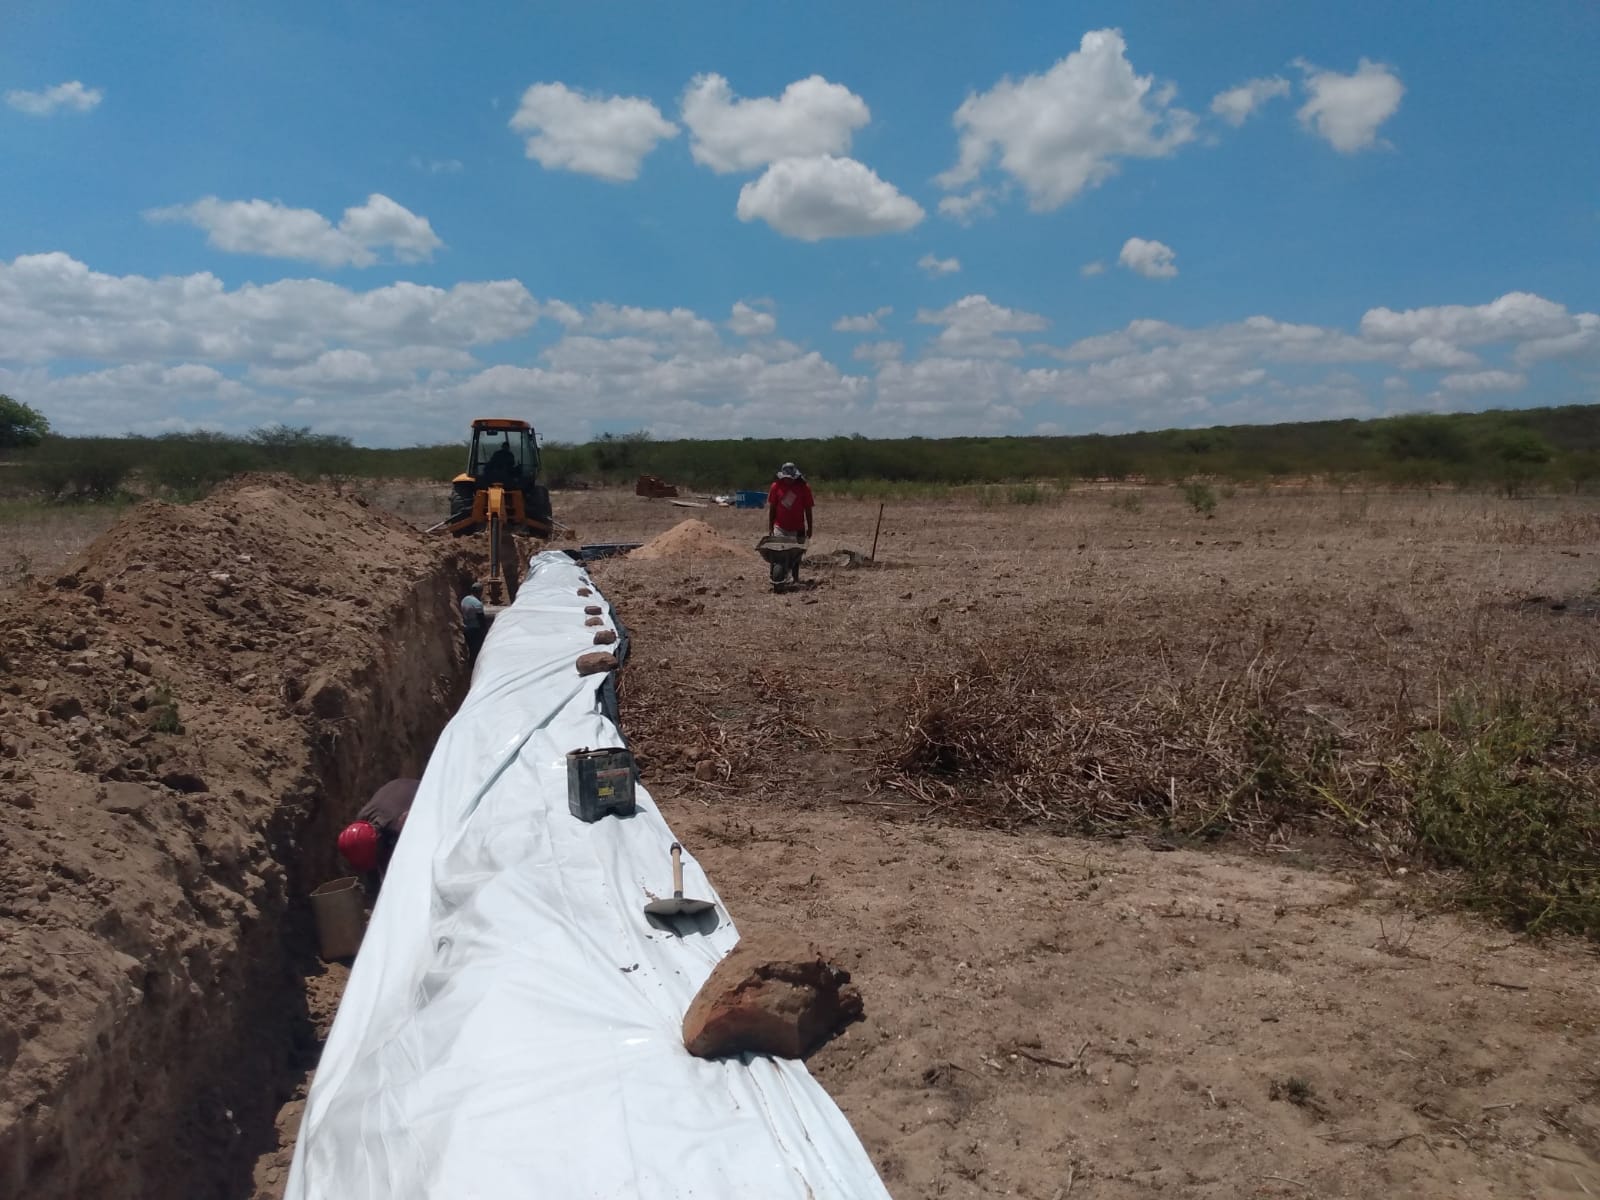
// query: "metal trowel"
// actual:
[[678, 906]]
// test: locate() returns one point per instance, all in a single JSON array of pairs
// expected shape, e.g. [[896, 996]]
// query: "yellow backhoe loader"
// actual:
[[499, 494]]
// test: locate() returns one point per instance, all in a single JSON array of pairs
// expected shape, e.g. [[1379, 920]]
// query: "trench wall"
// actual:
[[190, 715]]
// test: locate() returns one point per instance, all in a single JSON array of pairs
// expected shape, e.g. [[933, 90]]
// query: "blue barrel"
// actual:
[[749, 499]]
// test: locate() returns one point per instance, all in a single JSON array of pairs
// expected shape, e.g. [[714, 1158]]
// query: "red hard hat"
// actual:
[[359, 844]]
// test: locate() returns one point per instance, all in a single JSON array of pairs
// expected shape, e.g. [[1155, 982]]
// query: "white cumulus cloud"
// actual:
[[939, 266], [396, 365], [272, 229], [812, 117], [1236, 105], [1062, 131], [1514, 317], [973, 324], [674, 324], [1432, 353], [1153, 260], [870, 322], [977, 394], [1582, 339], [1346, 110], [878, 352], [54, 307], [71, 96], [965, 209], [749, 321], [607, 137], [1484, 381], [826, 197]]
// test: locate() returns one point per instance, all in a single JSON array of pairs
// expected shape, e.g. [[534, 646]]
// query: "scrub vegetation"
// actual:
[[1513, 452]]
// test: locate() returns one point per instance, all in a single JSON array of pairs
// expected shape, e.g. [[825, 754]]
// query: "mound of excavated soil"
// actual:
[[186, 718], [690, 539]]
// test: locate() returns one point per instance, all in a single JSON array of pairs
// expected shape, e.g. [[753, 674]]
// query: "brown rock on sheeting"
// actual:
[[594, 621], [585, 592], [774, 994], [604, 637], [593, 610], [596, 662]]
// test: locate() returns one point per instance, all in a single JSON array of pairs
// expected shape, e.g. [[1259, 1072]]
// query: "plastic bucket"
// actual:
[[338, 909]]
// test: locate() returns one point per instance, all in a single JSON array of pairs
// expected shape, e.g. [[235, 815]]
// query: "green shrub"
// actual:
[[1200, 497], [1425, 437], [189, 465], [164, 711], [1491, 797], [80, 469], [1521, 456], [20, 424], [1507, 450]]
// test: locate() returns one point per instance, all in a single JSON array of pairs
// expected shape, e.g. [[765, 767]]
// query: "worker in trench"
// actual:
[[789, 505], [368, 842], [474, 622]]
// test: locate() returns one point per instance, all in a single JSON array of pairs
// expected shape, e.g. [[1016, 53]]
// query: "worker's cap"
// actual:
[[476, 587], [788, 471], [358, 842]]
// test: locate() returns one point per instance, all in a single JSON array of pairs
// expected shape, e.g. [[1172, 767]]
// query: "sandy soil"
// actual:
[[39, 539], [1049, 1016], [186, 716]]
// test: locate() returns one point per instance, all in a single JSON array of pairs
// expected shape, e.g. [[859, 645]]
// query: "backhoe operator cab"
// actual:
[[503, 453], [499, 493]]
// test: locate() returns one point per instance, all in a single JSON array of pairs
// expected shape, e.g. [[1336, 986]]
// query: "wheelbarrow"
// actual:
[[783, 555]]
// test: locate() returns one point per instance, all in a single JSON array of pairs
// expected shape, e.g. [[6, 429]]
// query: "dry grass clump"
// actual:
[[740, 734], [1052, 736], [1496, 784]]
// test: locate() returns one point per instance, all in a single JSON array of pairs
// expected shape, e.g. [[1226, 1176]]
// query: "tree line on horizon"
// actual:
[[1512, 450]]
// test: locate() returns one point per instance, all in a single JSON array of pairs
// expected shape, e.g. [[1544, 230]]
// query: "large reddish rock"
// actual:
[[596, 663], [774, 994]]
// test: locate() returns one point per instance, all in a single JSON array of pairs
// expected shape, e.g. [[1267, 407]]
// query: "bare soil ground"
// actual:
[[38, 538], [187, 714], [1209, 999], [1288, 1013]]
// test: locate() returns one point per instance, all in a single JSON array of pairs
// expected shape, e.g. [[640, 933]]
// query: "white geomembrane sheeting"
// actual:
[[512, 1026]]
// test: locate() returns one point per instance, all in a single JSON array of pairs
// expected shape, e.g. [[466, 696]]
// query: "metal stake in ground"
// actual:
[[876, 529], [677, 906]]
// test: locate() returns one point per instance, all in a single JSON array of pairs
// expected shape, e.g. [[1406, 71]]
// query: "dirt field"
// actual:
[[37, 539], [1050, 1016], [1261, 1003], [186, 717]]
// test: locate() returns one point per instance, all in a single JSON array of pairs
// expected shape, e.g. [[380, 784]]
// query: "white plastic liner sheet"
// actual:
[[512, 1026]]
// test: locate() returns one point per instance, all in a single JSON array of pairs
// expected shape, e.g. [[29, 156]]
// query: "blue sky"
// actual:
[[383, 219]]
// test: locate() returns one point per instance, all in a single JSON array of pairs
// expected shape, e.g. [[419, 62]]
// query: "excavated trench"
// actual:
[[382, 726], [171, 787]]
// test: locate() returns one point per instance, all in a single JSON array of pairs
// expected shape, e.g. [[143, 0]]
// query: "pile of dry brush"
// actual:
[[1497, 784]]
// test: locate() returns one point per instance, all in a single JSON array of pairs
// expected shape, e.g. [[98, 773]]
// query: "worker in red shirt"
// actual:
[[789, 505]]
